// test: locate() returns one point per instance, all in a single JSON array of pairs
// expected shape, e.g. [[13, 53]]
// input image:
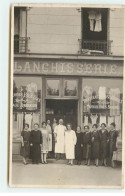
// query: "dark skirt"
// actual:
[[111, 149], [25, 150], [78, 152], [35, 152], [86, 151], [104, 150], [95, 150]]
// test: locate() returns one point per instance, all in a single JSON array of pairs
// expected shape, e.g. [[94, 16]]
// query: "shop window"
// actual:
[[26, 102], [102, 102], [94, 31], [53, 87], [70, 87]]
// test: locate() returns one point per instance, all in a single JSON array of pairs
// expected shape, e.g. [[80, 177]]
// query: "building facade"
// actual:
[[68, 63]]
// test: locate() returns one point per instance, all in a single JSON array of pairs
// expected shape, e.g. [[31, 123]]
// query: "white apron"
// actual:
[[60, 144], [70, 142]]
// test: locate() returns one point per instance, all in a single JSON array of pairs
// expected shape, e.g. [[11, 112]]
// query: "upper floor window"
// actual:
[[20, 37], [94, 31]]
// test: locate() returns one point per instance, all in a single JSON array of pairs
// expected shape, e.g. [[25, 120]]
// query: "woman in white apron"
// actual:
[[70, 142]]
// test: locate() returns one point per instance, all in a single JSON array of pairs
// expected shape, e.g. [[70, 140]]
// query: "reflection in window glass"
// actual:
[[52, 87], [70, 88]]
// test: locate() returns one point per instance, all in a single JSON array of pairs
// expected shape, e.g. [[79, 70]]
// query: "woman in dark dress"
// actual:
[[35, 143], [95, 144], [25, 145], [113, 134], [104, 136], [86, 142], [78, 147]]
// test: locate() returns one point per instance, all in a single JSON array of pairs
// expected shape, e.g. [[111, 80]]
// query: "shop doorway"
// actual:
[[64, 109]]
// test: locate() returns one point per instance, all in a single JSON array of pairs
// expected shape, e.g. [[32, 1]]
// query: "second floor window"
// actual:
[[94, 30]]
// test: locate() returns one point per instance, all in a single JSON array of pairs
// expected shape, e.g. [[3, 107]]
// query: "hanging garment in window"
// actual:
[[87, 95], [102, 92], [110, 120], [20, 122], [28, 120], [114, 101], [31, 101], [98, 23], [102, 97], [118, 122], [102, 119], [35, 118], [94, 118], [86, 120], [92, 16]]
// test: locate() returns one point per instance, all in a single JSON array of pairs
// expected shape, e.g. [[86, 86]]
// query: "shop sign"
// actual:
[[67, 67]]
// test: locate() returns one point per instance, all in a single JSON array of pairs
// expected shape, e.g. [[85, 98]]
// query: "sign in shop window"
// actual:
[[26, 97]]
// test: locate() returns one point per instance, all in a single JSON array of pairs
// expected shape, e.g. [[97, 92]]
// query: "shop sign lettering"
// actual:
[[70, 68]]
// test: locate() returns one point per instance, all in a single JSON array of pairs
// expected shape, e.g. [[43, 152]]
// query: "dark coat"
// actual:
[[78, 148], [25, 150], [112, 142], [86, 141], [104, 136], [96, 141], [36, 140]]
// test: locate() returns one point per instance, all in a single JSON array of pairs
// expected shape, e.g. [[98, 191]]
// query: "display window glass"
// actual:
[[26, 102], [53, 87], [70, 87], [102, 101]]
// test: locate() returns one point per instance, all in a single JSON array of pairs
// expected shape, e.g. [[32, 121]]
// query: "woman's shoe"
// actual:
[[45, 162]]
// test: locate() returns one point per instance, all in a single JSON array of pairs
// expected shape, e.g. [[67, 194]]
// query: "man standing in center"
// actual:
[[59, 134]]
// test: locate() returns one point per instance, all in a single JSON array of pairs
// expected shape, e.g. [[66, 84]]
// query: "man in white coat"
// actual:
[[59, 134]]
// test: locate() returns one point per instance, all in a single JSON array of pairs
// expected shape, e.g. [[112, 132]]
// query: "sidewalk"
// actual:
[[58, 173]]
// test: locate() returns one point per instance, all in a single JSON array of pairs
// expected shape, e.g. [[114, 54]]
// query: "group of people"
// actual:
[[62, 142]]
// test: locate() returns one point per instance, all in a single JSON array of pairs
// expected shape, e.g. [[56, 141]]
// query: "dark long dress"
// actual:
[[36, 140], [104, 136], [95, 144], [25, 150], [78, 148], [86, 141], [112, 142]]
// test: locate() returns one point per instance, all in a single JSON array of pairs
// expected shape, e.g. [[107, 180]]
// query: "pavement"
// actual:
[[57, 174]]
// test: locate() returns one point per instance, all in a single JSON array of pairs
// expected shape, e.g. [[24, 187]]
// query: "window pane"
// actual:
[[52, 87], [70, 88]]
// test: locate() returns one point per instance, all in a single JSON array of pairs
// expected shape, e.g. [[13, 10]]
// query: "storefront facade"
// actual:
[[80, 91]]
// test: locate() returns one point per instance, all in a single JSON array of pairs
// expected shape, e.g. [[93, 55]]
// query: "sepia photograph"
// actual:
[[66, 96]]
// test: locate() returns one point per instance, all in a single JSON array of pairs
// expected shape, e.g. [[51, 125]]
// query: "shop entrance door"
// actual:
[[64, 109]]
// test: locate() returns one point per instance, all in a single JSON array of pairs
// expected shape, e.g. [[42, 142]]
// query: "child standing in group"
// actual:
[[86, 141], [70, 142], [45, 144], [78, 147], [25, 145]]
